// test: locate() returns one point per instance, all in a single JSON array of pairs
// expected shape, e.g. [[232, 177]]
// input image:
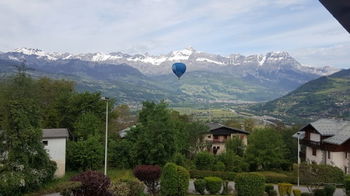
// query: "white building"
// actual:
[[327, 141], [54, 141]]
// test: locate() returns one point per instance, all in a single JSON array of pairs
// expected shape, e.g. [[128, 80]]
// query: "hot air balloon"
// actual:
[[179, 69]]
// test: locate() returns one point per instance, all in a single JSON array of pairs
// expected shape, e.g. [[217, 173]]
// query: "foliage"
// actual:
[[268, 188], [296, 192], [120, 153], [306, 194], [230, 176], [88, 124], [219, 166], [319, 192], [127, 187], [204, 161], [119, 188], [213, 184], [24, 164], [68, 188], [265, 150], [235, 145], [273, 193], [248, 184], [148, 174], [274, 177], [174, 180], [329, 189], [92, 183], [179, 159], [313, 175], [285, 189], [199, 186], [233, 162], [225, 188], [347, 185], [85, 154]]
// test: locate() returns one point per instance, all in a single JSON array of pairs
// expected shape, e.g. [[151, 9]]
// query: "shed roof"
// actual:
[[55, 133]]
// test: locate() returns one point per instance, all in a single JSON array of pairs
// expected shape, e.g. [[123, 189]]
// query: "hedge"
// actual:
[[274, 177], [174, 180], [230, 176], [248, 184], [199, 186], [213, 184]]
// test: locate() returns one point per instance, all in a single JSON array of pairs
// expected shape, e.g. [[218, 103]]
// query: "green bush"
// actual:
[[204, 161], [230, 176], [233, 162], [213, 184], [136, 187], [319, 192], [85, 154], [275, 178], [219, 166], [296, 192], [329, 189], [199, 186], [347, 185], [285, 189], [179, 159], [268, 188], [174, 180], [248, 184]]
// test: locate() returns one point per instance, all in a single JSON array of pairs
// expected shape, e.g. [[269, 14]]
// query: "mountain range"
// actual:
[[133, 78]]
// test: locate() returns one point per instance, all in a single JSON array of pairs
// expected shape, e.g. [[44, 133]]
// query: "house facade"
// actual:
[[55, 141], [327, 141], [218, 135]]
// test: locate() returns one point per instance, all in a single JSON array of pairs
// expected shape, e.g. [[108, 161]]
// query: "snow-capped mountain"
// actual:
[[195, 60]]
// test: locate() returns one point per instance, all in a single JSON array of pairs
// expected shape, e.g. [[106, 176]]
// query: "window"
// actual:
[[209, 136], [45, 142], [314, 151], [329, 154], [345, 170]]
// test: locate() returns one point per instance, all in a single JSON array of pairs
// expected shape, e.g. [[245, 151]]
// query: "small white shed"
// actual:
[[54, 141]]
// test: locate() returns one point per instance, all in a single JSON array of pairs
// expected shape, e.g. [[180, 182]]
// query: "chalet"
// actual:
[[327, 141], [54, 141], [218, 135]]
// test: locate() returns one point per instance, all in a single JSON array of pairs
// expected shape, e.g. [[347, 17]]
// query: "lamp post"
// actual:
[[106, 139], [298, 158]]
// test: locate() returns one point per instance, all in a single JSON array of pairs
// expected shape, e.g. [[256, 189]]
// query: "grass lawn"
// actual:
[[50, 187]]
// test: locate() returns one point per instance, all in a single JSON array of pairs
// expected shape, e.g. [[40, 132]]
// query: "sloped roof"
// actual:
[[55, 133], [218, 129], [338, 130]]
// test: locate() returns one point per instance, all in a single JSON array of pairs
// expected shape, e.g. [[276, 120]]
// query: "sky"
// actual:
[[304, 28]]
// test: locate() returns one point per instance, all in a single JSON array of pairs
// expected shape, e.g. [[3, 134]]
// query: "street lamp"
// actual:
[[298, 134], [106, 140]]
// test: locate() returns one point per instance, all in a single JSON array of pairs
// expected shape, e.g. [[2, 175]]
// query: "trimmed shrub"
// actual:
[[92, 183], [248, 184], [219, 166], [347, 185], [120, 188], [268, 188], [148, 174], [285, 189], [213, 184], [274, 177], [174, 180], [296, 192], [199, 186], [329, 189], [230, 176], [204, 161], [319, 192]]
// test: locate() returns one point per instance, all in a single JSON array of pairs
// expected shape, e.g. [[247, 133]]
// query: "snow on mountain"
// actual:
[[195, 60]]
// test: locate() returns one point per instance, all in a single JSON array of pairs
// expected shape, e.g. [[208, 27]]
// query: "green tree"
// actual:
[[265, 150], [88, 125], [25, 156], [235, 145]]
